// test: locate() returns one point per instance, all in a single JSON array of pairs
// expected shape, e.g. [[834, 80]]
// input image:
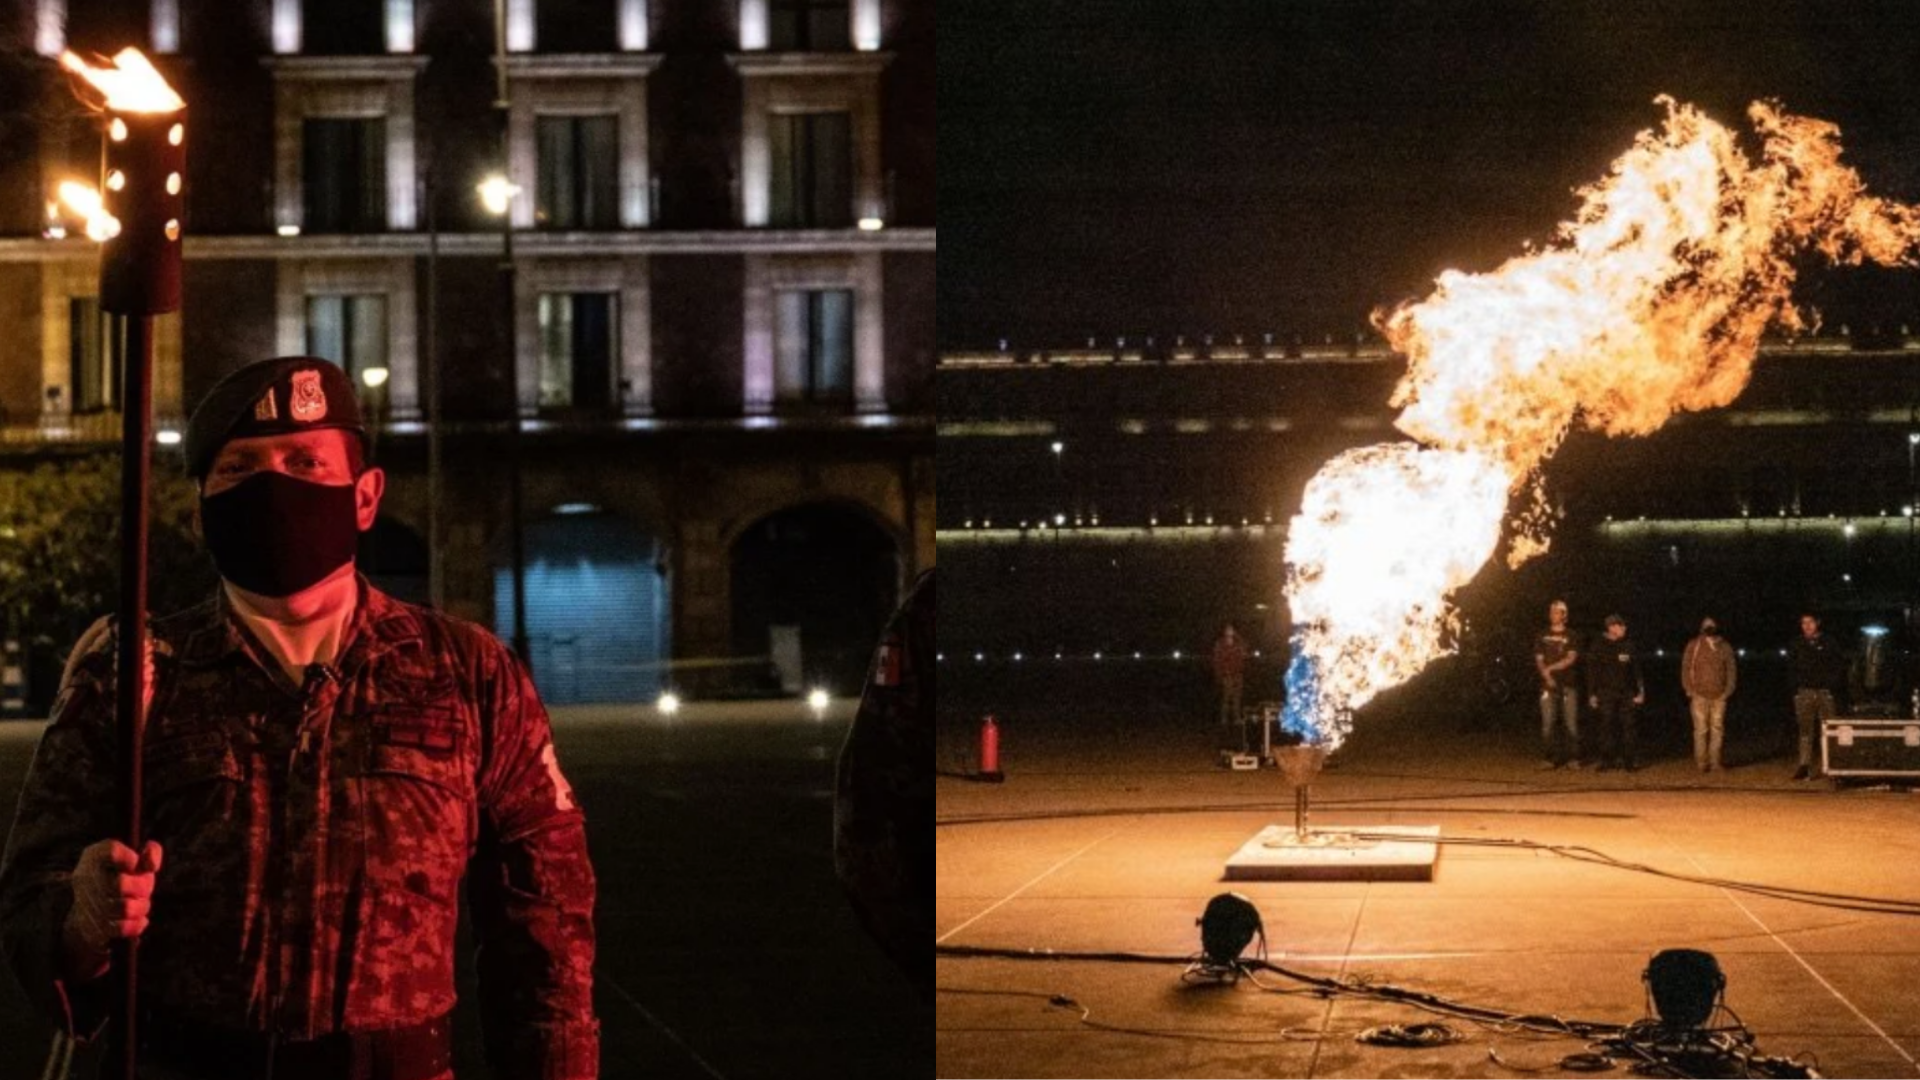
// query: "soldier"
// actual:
[[883, 846], [324, 765]]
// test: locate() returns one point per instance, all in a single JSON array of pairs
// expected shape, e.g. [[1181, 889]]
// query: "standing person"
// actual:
[[1616, 691], [324, 767], [1819, 671], [1707, 676], [1230, 670], [1556, 653]]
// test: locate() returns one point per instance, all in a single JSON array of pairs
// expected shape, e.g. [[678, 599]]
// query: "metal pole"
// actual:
[[136, 413], [436, 572], [504, 104]]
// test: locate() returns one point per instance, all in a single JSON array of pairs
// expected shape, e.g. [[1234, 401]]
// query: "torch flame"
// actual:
[[1651, 301], [86, 202], [131, 85]]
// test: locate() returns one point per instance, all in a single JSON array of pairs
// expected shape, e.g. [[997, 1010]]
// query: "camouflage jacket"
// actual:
[[883, 845], [316, 838]]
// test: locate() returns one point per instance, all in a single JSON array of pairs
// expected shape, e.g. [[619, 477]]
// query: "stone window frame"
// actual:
[[861, 272], [863, 30], [398, 26], [632, 25], [360, 87], [63, 280], [388, 276], [776, 83], [629, 277], [581, 86]]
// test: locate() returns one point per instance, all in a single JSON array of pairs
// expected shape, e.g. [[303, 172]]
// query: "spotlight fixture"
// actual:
[[1686, 986], [1227, 927]]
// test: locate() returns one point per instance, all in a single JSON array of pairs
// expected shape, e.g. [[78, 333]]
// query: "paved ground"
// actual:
[[726, 948], [1515, 929]]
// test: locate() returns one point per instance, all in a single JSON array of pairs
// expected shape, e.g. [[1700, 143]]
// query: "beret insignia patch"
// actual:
[[307, 402]]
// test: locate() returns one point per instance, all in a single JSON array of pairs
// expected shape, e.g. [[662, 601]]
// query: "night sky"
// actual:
[[1288, 165]]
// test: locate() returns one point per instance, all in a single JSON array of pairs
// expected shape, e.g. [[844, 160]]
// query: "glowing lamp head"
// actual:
[[818, 700], [497, 193], [86, 202], [374, 377], [669, 703]]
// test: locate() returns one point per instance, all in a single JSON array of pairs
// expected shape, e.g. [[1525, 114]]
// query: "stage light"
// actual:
[[1227, 927], [1686, 986]]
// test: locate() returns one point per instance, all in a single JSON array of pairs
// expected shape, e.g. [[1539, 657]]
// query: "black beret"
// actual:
[[271, 397]]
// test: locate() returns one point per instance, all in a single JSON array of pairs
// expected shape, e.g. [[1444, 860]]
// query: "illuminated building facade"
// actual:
[[719, 331]]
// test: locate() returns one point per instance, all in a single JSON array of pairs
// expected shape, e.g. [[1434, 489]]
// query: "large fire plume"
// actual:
[[1651, 301]]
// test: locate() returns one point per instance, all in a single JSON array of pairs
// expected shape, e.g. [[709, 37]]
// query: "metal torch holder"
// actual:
[[1300, 765]]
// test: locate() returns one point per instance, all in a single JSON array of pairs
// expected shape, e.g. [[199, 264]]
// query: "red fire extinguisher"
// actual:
[[990, 751]]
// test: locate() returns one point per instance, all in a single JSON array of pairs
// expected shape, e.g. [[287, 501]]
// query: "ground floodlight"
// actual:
[[1227, 927], [1686, 985]]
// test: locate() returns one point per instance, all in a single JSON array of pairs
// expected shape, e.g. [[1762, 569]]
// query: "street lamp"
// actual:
[[497, 194]]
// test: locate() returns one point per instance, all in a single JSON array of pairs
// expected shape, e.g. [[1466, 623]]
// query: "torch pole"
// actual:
[[135, 470]]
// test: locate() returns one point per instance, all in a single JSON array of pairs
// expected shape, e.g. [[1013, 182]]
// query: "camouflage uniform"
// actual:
[[316, 837], [883, 845]]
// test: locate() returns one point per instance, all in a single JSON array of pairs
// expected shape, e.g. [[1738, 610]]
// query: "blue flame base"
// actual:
[[1302, 714]]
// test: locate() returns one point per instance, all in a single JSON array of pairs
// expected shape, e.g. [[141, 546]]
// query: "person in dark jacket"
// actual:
[[1707, 675], [1616, 691], [1819, 671]]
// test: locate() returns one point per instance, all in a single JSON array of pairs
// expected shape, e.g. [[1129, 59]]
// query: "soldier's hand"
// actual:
[[112, 893]]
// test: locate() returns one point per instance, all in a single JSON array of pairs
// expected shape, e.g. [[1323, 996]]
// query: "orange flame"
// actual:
[[132, 85], [1651, 301], [86, 202]]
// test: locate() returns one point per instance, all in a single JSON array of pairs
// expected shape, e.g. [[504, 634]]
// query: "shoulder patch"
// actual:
[[562, 791]]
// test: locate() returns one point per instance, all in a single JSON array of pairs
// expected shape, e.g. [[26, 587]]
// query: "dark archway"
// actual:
[[812, 588]]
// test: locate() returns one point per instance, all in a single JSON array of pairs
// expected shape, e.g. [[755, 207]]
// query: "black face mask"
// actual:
[[274, 535]]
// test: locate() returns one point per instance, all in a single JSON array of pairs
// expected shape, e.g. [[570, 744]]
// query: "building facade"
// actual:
[[1106, 507], [707, 310]]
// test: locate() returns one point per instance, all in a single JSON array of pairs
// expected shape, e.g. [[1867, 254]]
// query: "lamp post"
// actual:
[[497, 192], [137, 218]]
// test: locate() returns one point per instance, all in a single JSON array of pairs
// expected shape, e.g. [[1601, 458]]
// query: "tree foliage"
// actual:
[[60, 546]]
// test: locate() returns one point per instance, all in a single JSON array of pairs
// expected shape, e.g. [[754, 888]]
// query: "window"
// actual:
[[577, 336], [808, 25], [574, 26], [349, 330], [95, 377], [812, 170], [813, 347], [344, 179], [343, 27], [579, 173]]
